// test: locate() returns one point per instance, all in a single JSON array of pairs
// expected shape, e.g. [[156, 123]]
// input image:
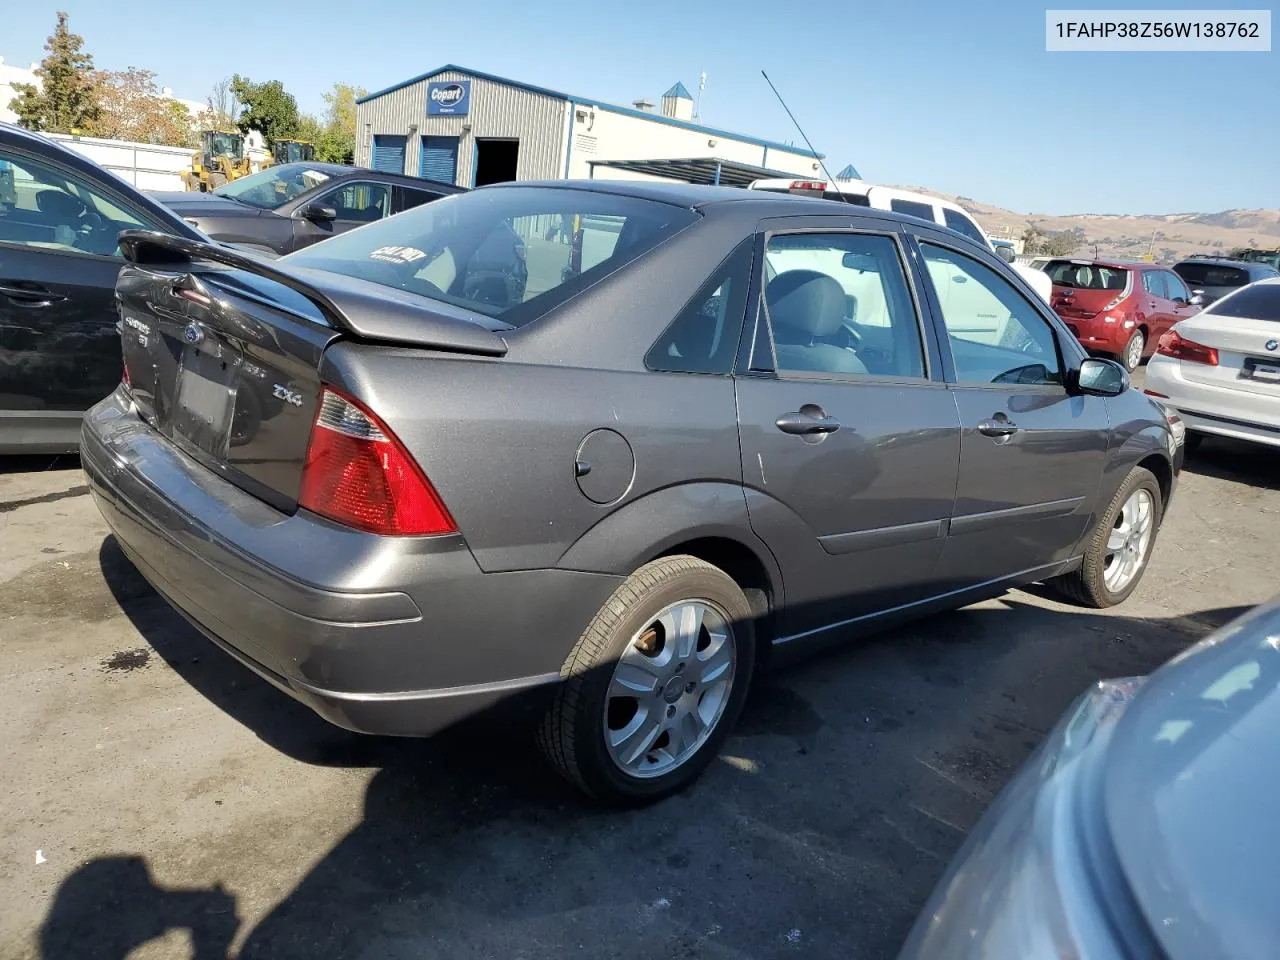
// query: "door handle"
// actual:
[[997, 426], [33, 295], [805, 424]]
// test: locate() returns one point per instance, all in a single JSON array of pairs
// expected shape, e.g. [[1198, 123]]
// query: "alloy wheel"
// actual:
[[670, 688], [1129, 541]]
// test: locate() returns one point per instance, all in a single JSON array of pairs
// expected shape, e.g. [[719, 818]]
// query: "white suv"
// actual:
[[920, 205]]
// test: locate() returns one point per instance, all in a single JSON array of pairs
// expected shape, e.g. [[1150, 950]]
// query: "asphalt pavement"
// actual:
[[159, 801]]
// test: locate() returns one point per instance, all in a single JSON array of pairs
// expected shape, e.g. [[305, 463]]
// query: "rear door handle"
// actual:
[[997, 428], [31, 295], [805, 424]]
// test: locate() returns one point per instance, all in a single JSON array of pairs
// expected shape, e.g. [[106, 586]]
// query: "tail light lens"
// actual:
[[816, 185], [1172, 344], [358, 474]]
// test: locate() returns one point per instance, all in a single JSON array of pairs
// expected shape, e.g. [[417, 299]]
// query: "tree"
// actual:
[[337, 142], [222, 108], [65, 101], [131, 107], [1033, 241], [1063, 243], [268, 108]]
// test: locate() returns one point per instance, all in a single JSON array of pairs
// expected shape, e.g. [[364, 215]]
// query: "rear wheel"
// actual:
[[216, 180], [1120, 547], [654, 684], [1132, 355]]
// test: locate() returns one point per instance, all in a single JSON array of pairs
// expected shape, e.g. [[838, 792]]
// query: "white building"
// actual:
[[472, 128]]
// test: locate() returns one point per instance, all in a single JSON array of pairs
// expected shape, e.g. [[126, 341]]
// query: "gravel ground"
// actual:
[[159, 801]]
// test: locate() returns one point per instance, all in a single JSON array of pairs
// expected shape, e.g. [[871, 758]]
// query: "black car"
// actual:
[[60, 214], [1213, 278], [293, 205]]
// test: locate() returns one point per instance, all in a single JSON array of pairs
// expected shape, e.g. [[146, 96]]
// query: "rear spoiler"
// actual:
[[346, 304]]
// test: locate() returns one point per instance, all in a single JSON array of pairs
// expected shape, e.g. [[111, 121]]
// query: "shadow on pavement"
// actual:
[[850, 782], [1235, 460]]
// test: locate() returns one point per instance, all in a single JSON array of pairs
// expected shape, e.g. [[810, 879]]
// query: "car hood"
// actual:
[[1192, 775], [194, 204]]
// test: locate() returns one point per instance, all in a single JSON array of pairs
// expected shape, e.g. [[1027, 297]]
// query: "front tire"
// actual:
[[654, 685], [1120, 547], [1132, 355]]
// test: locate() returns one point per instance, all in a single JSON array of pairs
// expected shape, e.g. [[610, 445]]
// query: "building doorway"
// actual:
[[496, 161]]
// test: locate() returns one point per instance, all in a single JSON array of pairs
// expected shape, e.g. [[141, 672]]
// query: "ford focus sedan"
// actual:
[[711, 427]]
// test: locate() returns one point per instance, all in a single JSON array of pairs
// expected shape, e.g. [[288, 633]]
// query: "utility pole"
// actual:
[[697, 105]]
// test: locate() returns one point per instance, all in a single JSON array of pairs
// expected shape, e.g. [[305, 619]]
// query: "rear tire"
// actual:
[[1132, 355], [1097, 583], [216, 180], [584, 732]]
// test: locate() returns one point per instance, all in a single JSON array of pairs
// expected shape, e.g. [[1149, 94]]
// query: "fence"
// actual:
[[145, 165]]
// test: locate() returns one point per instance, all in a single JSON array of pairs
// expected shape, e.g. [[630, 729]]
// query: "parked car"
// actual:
[[293, 205], [1221, 369], [713, 425], [911, 204], [1143, 826], [1215, 278], [59, 347], [1119, 308]]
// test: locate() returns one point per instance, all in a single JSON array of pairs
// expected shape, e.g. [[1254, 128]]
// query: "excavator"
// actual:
[[221, 158]]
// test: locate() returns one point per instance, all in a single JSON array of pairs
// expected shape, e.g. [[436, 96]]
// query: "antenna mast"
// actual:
[[821, 162]]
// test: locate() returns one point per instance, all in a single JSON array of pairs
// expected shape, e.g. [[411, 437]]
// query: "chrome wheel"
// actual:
[[1129, 541], [1133, 352], [669, 688]]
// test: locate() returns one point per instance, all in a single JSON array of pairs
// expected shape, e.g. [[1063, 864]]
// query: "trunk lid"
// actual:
[[1244, 362], [223, 351], [1082, 289]]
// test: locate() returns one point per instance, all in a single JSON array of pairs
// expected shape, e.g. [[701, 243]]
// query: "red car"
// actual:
[[1119, 308]]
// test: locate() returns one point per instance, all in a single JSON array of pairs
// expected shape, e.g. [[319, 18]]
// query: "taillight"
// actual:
[[818, 185], [1180, 348], [358, 474]]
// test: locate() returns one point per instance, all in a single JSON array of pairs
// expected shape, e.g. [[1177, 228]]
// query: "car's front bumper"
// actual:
[[381, 635], [1219, 410]]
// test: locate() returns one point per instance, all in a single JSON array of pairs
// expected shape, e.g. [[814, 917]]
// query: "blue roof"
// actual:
[[587, 102], [678, 91], [849, 173]]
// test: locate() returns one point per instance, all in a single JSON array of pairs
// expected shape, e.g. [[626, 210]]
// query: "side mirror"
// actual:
[[1197, 298], [1101, 378], [1006, 254], [318, 213]]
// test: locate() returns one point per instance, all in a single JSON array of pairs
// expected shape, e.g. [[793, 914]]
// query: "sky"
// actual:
[[956, 96]]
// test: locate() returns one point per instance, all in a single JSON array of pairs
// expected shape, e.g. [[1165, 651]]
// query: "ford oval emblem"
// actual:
[[193, 334], [1273, 344]]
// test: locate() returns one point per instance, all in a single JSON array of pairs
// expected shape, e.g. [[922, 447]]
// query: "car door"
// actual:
[[59, 347], [1031, 452], [353, 204], [1157, 307], [1180, 305], [850, 446]]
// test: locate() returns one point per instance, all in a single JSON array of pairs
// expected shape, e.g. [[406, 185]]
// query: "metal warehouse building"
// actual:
[[473, 128]]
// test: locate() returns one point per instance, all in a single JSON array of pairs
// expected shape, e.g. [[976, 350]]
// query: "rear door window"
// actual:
[[958, 222], [1153, 283], [911, 208]]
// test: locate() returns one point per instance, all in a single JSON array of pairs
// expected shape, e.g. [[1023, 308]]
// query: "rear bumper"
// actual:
[[1219, 410], [380, 635]]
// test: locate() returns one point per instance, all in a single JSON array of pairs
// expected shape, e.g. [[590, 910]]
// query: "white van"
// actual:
[[934, 209]]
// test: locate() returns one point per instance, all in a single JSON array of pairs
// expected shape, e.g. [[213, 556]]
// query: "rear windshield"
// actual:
[[510, 252], [1208, 275], [1258, 302], [1086, 276]]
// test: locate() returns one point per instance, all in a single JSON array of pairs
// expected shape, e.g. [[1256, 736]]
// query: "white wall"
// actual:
[[145, 165], [616, 136], [9, 75]]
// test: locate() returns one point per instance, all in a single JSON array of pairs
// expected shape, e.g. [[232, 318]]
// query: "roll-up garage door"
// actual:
[[388, 153]]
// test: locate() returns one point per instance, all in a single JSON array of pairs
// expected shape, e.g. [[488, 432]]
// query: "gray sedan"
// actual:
[[706, 427], [1144, 826]]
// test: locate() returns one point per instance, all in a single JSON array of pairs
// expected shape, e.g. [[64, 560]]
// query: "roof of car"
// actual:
[[1227, 262], [1113, 264], [337, 170]]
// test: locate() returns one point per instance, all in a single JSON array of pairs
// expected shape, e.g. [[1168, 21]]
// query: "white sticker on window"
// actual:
[[397, 254]]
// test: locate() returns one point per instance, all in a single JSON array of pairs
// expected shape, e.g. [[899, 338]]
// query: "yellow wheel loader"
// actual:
[[221, 158]]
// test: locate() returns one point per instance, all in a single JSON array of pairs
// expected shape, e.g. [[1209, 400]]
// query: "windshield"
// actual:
[[1261, 301], [226, 145], [509, 252], [1086, 276], [274, 186]]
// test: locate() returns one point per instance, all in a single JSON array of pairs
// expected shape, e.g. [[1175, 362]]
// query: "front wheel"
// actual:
[[1132, 355], [654, 685], [1120, 547]]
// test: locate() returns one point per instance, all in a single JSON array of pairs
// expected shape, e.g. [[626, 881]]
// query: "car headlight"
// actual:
[[1025, 884]]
